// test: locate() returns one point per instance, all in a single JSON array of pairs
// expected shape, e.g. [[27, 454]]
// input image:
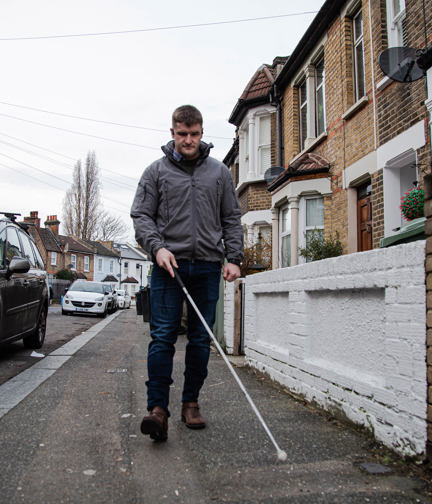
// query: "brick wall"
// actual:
[[254, 197], [365, 363]]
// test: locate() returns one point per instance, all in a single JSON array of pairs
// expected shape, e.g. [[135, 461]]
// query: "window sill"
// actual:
[[358, 105], [383, 83]]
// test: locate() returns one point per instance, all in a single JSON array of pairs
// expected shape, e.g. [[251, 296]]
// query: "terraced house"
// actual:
[[354, 140]]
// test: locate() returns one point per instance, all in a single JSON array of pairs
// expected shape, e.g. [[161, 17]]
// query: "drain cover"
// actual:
[[373, 468]]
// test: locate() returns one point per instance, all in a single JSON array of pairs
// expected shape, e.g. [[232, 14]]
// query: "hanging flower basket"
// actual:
[[412, 204]]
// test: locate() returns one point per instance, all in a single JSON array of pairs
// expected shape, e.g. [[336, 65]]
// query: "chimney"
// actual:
[[33, 219], [53, 223], [108, 244]]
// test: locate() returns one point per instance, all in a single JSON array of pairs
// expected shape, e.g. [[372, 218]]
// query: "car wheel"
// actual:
[[104, 314], [65, 312], [37, 338]]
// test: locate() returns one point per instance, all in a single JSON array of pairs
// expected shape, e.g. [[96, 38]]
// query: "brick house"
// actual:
[[78, 257], [59, 251], [47, 241], [253, 151], [353, 140]]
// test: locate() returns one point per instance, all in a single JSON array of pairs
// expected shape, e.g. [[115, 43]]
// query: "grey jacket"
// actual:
[[195, 216]]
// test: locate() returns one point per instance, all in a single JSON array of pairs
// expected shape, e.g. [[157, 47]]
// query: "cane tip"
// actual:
[[282, 456]]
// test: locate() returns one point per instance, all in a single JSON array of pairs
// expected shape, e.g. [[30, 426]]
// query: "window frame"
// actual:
[[285, 234], [53, 258], [303, 109], [303, 226], [86, 264], [395, 23], [263, 146], [359, 82], [310, 84], [320, 91], [74, 261]]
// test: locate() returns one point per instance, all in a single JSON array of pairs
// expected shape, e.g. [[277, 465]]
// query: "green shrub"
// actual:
[[318, 247], [65, 274]]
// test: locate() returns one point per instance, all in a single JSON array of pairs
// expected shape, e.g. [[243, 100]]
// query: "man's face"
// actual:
[[187, 139]]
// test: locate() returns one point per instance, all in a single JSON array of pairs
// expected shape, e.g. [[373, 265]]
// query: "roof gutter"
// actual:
[[307, 43]]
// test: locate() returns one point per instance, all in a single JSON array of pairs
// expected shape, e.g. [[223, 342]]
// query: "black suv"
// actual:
[[24, 291]]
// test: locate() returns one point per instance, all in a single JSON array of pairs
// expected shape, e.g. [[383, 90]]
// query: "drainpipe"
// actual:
[[279, 131]]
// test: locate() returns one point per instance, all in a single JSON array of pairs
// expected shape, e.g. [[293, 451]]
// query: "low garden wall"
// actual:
[[347, 334]]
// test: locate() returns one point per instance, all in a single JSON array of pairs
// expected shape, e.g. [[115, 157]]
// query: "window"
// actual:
[[396, 23], [359, 77], [314, 215], [311, 103], [111, 266], [86, 263], [255, 144], [319, 98], [39, 260], [100, 265], [285, 237], [13, 245], [73, 261], [311, 217], [2, 246], [126, 268], [53, 258], [303, 114], [264, 140], [27, 249]]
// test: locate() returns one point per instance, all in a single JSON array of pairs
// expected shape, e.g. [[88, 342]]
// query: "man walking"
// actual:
[[186, 215]]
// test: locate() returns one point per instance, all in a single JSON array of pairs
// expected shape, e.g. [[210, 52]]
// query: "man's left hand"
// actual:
[[231, 272]]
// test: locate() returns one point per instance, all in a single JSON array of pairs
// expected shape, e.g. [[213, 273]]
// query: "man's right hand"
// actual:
[[166, 260]]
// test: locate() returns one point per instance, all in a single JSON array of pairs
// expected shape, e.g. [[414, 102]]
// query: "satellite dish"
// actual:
[[400, 64], [273, 173]]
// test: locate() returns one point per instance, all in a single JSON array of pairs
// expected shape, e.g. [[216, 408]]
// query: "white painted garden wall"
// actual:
[[349, 334]]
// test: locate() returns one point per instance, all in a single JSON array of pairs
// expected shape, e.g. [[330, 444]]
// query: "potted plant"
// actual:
[[412, 204]]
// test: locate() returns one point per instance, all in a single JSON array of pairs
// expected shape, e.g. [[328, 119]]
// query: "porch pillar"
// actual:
[[275, 237], [294, 207]]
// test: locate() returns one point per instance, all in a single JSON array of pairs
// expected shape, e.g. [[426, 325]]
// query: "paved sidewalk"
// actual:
[[75, 437]]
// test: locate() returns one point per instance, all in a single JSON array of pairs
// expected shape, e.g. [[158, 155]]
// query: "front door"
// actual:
[[364, 218]]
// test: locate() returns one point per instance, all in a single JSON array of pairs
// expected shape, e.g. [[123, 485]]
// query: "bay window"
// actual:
[[285, 237]]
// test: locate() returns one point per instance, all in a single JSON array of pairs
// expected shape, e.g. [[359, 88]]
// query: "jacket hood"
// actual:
[[204, 151]]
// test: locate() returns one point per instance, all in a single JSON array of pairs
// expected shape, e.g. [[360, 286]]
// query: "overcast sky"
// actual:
[[134, 79]]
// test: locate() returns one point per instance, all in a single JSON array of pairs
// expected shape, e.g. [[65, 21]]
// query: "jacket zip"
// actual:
[[194, 224]]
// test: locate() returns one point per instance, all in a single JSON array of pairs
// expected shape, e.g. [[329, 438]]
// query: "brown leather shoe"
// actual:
[[155, 424], [191, 416]]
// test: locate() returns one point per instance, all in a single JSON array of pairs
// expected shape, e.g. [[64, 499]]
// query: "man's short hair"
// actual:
[[187, 114]]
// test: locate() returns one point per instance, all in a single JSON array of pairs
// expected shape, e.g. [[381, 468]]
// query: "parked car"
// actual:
[[24, 291], [123, 299], [114, 304], [84, 296]]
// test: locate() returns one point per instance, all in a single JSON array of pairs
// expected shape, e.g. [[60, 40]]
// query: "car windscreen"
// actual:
[[120, 292], [87, 287]]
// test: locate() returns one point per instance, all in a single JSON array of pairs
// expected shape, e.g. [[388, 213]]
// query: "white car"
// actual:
[[88, 297], [123, 299]]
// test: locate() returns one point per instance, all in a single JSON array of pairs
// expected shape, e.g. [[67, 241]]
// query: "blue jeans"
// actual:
[[201, 279]]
